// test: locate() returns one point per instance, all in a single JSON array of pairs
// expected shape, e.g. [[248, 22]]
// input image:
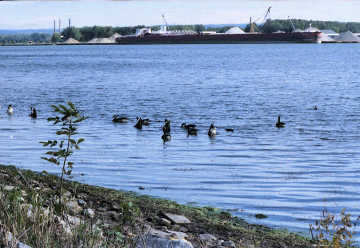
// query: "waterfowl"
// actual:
[[139, 123], [279, 124], [166, 128], [186, 126], [229, 129], [166, 137], [33, 113], [10, 110], [315, 108], [146, 122], [120, 119], [191, 130], [212, 130]]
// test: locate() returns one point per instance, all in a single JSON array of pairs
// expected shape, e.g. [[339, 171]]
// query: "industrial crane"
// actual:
[[264, 18]]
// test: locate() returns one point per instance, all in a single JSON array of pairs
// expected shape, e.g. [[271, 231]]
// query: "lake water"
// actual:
[[289, 174]]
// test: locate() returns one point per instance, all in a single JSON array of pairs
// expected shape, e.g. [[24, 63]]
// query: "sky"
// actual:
[[40, 14]]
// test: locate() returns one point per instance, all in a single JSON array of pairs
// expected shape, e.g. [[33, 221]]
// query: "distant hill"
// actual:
[[25, 31]]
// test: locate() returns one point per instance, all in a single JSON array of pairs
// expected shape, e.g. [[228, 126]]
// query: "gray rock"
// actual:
[[73, 207], [177, 219], [10, 238], [207, 237], [151, 241], [229, 244], [165, 222]]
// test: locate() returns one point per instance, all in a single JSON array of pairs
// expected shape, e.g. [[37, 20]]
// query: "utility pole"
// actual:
[[54, 26], [59, 25]]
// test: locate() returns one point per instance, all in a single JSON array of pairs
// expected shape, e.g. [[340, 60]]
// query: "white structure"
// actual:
[[101, 41], [71, 41], [348, 37], [114, 37], [312, 29], [142, 31], [235, 30]]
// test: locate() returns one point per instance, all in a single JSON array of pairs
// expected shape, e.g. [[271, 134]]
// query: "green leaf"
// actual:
[[80, 140]]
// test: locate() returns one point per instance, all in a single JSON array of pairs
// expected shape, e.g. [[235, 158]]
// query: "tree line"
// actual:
[[24, 38]]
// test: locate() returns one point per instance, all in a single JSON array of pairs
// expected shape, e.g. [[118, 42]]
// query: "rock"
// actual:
[[75, 221], [89, 212], [165, 222], [159, 239], [183, 229], [10, 239], [177, 219], [3, 175], [9, 188], [114, 216], [206, 237], [73, 207], [229, 244], [66, 194]]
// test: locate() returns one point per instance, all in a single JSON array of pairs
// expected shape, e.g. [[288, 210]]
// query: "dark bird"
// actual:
[[279, 124], [139, 123], [212, 130], [229, 129], [315, 108], [10, 110], [166, 128], [186, 126], [120, 119], [166, 137], [33, 113], [191, 130], [146, 122]]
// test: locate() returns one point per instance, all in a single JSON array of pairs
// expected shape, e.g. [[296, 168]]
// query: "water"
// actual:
[[289, 174]]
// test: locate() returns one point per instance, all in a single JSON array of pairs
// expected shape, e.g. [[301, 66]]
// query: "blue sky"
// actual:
[[40, 14]]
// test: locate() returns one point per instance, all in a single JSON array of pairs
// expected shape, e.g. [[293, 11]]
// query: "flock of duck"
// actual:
[[166, 128]]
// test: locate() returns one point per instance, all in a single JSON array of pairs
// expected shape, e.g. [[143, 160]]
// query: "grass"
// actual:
[[121, 218]]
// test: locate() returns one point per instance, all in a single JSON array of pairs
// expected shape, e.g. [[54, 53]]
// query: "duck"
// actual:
[[212, 130], [139, 123], [10, 110], [33, 113], [229, 129], [315, 108], [279, 124], [166, 128], [120, 119]]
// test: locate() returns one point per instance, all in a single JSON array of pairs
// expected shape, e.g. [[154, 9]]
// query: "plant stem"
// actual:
[[64, 164]]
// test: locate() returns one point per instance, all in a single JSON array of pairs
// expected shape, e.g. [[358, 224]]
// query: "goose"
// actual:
[[139, 123], [10, 110], [33, 113], [166, 128], [279, 124], [120, 119], [212, 130], [166, 137], [146, 122]]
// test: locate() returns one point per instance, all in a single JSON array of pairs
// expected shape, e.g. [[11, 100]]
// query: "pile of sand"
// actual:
[[71, 41], [101, 41], [235, 30], [347, 37]]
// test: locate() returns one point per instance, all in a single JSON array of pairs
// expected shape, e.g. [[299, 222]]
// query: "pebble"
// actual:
[[207, 237]]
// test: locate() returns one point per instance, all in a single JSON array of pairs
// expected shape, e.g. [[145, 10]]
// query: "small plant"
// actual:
[[66, 143], [332, 231]]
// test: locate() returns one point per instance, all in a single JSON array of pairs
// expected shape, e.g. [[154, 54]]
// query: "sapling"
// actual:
[[61, 149]]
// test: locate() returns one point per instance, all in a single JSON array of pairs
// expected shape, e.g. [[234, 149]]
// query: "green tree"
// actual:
[[71, 32], [68, 120], [56, 37]]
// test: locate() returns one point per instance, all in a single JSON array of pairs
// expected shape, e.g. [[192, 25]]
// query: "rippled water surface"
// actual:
[[289, 174]]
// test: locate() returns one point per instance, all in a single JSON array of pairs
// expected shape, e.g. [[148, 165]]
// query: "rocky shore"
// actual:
[[100, 217]]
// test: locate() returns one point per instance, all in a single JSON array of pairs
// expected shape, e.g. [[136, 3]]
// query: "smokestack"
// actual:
[[69, 22], [54, 25], [59, 26]]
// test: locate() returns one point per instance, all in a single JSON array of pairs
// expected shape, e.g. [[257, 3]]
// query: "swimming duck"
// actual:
[[139, 123], [166, 128], [191, 130], [279, 124], [212, 130], [315, 108], [33, 113], [229, 129], [10, 110], [120, 119]]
